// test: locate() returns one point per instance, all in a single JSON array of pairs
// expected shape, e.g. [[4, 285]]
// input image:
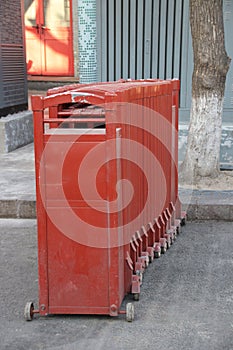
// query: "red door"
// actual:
[[49, 37]]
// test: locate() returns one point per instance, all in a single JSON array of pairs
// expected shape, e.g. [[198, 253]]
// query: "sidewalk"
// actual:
[[17, 191], [17, 183]]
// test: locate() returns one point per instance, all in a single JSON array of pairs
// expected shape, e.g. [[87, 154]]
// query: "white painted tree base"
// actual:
[[204, 139]]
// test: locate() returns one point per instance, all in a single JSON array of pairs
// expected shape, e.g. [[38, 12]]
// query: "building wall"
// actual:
[[13, 83], [152, 39], [144, 39], [75, 37], [87, 41], [228, 26]]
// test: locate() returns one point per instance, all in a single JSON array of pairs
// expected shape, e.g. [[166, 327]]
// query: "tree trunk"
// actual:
[[211, 65]]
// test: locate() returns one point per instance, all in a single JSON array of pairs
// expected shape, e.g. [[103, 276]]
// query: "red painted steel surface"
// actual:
[[96, 233]]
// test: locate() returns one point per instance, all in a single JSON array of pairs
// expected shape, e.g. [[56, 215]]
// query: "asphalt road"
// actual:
[[186, 300]]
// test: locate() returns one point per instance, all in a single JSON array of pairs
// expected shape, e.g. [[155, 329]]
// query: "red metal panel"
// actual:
[[136, 144], [75, 272]]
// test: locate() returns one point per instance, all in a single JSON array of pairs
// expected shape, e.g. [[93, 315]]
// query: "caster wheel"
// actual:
[[168, 244], [157, 255], [28, 311], [138, 273], [129, 312], [151, 258], [136, 296], [163, 250], [183, 222]]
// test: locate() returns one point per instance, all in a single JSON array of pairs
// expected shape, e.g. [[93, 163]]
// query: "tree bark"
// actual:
[[211, 64]]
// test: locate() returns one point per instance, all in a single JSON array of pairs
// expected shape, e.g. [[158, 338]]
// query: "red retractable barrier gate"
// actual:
[[107, 192]]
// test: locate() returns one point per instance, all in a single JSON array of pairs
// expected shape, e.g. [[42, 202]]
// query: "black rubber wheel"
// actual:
[[183, 222], [136, 296], [163, 250], [157, 255]]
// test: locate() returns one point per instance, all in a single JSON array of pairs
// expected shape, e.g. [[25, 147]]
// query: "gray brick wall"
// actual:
[[10, 18]]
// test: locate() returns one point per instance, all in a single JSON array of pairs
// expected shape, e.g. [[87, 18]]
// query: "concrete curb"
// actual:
[[17, 209], [26, 209], [197, 212], [16, 130], [207, 205]]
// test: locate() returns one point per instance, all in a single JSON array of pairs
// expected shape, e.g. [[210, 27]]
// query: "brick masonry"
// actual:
[[11, 22]]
